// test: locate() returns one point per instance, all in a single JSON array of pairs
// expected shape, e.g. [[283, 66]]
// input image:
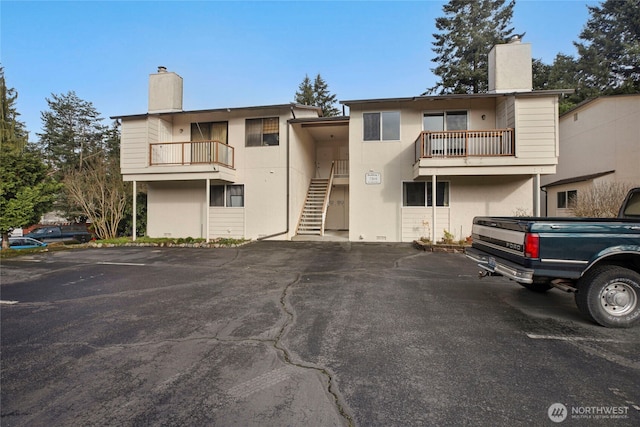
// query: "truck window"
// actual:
[[633, 205]]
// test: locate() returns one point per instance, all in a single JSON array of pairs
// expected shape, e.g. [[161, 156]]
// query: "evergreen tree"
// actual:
[[73, 132], [324, 99], [26, 188], [468, 31], [305, 95], [317, 94], [562, 74], [609, 56], [12, 131]]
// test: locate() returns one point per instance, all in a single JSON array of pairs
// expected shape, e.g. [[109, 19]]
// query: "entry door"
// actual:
[[338, 211]]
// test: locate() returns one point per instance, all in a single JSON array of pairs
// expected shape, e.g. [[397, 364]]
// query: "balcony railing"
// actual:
[[465, 143], [191, 153]]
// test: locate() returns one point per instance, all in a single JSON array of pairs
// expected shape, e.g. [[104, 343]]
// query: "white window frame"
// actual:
[[427, 189], [381, 130], [226, 197]]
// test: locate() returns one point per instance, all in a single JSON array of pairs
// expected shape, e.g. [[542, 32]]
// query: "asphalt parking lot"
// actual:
[[293, 333]]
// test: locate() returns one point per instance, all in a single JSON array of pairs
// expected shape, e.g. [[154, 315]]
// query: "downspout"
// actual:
[[288, 180], [546, 201], [135, 210]]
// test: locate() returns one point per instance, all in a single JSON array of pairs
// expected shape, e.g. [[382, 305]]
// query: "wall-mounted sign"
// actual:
[[372, 178]]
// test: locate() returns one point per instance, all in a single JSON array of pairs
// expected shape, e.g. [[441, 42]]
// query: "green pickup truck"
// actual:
[[598, 259]]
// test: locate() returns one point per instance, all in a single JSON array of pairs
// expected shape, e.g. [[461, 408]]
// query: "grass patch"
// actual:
[[172, 241]]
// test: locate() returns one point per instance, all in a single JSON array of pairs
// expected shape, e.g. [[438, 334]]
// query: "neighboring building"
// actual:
[[599, 142], [280, 171]]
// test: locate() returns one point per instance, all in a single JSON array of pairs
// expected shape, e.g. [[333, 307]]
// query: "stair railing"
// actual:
[[327, 193]]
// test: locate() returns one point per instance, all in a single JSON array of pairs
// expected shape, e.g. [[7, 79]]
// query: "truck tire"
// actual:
[[609, 295], [540, 286]]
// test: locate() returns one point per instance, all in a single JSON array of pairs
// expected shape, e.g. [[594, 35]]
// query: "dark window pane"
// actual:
[[216, 196], [371, 126], [562, 199], [254, 132], [413, 194], [442, 194]]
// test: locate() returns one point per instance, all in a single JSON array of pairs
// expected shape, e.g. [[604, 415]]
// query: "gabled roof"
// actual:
[[577, 179]]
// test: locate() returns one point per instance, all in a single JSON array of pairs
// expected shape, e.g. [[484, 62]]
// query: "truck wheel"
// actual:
[[538, 286], [608, 295]]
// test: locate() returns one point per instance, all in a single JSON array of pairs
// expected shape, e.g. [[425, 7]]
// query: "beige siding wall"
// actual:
[[603, 135], [471, 196], [226, 222], [417, 222], [176, 209], [536, 129], [376, 212], [133, 146]]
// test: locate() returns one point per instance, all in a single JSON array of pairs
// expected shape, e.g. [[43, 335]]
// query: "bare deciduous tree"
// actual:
[[101, 194], [601, 200]]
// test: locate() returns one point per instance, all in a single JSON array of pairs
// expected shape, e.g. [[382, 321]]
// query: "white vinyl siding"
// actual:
[[224, 222], [536, 128], [416, 222], [133, 147]]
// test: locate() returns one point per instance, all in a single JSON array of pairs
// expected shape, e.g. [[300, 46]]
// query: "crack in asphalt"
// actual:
[[331, 388]]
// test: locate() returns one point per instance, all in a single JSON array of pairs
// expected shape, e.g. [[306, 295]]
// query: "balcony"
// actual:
[[191, 153], [465, 143]]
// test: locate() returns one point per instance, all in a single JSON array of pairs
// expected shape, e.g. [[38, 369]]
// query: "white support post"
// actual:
[[536, 195], [135, 210], [433, 207], [206, 209]]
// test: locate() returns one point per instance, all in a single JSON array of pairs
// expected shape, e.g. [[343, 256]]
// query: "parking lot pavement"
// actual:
[[293, 333]]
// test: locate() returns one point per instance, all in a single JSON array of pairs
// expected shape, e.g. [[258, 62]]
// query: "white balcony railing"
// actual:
[[191, 153], [465, 143]]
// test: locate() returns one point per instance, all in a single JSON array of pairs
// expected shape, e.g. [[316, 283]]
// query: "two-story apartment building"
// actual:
[[393, 170], [599, 142]]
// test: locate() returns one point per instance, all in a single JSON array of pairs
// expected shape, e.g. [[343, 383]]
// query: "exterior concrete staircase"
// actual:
[[315, 207]]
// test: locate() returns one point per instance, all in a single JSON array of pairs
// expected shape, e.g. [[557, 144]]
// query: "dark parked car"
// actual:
[[24, 243], [65, 233]]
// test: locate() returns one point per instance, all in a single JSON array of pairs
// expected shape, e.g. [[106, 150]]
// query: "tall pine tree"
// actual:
[[72, 132], [318, 95], [26, 188], [468, 31], [609, 56]]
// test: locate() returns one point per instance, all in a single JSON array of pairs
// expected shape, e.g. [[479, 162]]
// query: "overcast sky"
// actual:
[[238, 53]]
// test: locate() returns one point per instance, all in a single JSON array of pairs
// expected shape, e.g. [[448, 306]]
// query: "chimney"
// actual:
[[165, 92], [510, 68]]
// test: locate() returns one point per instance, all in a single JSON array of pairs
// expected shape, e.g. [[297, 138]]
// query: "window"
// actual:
[[230, 196], [383, 126], [210, 131], [202, 149], [413, 194], [263, 132], [420, 194], [567, 199], [448, 120]]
